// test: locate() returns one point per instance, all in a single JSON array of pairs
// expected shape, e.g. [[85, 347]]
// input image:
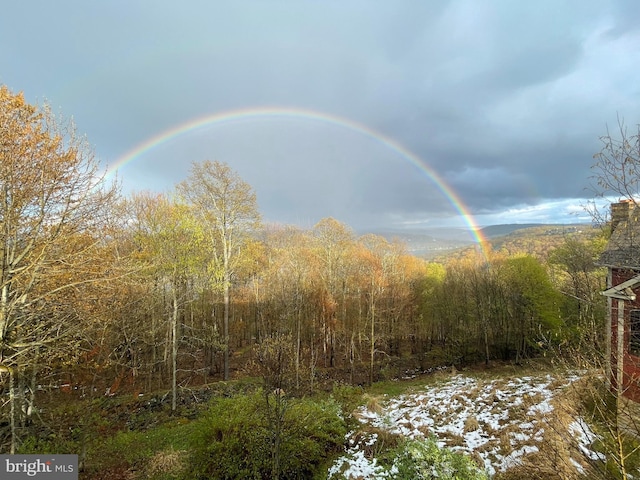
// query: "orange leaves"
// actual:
[[52, 242]]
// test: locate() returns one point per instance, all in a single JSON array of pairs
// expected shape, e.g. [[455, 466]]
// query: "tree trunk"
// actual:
[[31, 402], [277, 427], [620, 356], [4, 315], [608, 335], [485, 329], [226, 325], [298, 345], [352, 357], [312, 358], [174, 353], [12, 402], [373, 340]]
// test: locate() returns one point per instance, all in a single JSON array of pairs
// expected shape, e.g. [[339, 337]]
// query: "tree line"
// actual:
[[101, 293]]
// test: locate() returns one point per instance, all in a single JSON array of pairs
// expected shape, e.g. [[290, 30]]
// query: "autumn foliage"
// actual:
[[103, 295]]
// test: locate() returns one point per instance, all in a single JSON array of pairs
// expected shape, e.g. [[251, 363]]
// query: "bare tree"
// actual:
[[617, 166], [228, 208], [616, 176], [52, 206], [172, 241], [274, 356]]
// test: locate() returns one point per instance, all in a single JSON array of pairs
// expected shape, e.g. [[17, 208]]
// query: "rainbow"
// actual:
[[298, 113]]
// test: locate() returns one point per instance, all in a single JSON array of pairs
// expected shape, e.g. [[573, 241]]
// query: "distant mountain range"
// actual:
[[494, 231], [435, 241]]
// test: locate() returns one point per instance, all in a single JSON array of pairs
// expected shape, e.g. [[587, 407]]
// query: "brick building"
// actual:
[[622, 259]]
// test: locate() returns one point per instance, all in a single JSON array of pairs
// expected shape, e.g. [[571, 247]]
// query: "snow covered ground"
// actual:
[[499, 422]]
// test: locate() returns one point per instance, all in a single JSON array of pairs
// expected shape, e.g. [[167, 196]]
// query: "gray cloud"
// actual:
[[504, 100]]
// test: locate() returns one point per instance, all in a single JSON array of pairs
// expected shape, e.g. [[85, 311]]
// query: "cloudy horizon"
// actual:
[[499, 103]]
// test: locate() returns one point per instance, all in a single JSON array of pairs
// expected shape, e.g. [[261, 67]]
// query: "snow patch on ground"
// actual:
[[498, 421], [357, 465], [585, 437]]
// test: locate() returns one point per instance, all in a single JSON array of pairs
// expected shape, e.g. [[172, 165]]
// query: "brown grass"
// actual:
[[167, 461], [454, 440], [471, 424], [460, 400], [505, 442], [383, 440], [531, 399], [529, 470], [558, 448], [373, 403]]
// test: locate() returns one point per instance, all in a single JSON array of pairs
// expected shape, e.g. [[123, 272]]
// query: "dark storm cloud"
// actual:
[[504, 100]]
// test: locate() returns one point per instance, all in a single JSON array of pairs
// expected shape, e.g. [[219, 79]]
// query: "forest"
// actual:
[[105, 295]]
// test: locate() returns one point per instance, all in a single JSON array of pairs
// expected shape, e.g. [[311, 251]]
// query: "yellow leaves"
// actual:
[[331, 259], [436, 271], [168, 234], [51, 239], [226, 202]]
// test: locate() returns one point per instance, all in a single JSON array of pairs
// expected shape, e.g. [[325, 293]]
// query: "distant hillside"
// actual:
[[432, 243], [494, 231], [541, 239], [440, 243], [532, 239]]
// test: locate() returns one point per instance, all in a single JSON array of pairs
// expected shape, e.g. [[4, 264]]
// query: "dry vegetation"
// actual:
[[528, 426]]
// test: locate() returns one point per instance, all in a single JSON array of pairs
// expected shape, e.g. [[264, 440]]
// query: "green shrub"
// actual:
[[234, 439], [348, 396], [136, 449], [424, 459], [50, 444], [410, 460]]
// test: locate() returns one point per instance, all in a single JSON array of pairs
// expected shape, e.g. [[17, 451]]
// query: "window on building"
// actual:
[[634, 332]]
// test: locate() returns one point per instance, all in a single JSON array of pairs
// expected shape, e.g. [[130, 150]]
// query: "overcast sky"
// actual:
[[503, 100]]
